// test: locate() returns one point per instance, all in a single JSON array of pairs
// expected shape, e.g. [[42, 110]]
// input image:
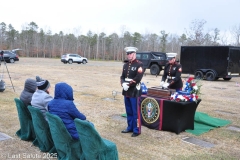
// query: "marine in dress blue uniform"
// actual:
[[172, 73], [130, 79]]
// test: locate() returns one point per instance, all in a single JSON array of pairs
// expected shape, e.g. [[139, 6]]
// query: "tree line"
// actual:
[[36, 42]]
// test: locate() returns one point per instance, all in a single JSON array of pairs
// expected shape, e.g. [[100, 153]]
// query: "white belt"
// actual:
[[128, 79], [169, 77]]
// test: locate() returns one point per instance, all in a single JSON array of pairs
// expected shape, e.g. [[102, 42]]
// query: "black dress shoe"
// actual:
[[135, 134], [126, 131]]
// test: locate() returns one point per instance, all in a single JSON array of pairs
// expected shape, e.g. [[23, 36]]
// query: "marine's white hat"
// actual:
[[171, 54], [130, 49]]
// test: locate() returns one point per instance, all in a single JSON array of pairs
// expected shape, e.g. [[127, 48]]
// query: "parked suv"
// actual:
[[155, 61], [9, 56], [73, 58]]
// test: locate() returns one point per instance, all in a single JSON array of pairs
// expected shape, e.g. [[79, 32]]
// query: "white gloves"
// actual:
[[161, 84], [165, 85], [125, 86]]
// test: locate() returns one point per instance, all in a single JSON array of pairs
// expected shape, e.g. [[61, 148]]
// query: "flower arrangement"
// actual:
[[190, 91]]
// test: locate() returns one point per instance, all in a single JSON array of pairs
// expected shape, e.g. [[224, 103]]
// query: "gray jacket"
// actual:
[[40, 100], [30, 87]]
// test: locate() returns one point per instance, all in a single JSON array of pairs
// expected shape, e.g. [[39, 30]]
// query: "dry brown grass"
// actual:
[[95, 81]]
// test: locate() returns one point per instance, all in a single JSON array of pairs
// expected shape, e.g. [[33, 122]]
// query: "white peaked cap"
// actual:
[[130, 49], [171, 54]]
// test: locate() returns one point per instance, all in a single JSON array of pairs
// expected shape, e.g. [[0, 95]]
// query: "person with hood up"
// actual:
[[30, 87], [41, 96], [62, 105]]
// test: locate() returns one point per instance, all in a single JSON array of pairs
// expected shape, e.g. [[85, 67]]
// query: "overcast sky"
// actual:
[[143, 16]]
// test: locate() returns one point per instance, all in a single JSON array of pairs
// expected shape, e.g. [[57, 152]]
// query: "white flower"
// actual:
[[173, 95], [195, 87], [194, 98], [181, 97]]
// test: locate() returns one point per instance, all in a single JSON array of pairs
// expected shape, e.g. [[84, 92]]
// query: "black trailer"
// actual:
[[211, 62]]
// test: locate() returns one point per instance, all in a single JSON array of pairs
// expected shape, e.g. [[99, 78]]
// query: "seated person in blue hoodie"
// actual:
[[62, 105]]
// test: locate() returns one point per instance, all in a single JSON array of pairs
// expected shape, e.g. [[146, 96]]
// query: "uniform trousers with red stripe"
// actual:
[[132, 114]]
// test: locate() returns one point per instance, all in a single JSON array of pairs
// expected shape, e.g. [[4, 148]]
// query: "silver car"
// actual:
[[73, 58]]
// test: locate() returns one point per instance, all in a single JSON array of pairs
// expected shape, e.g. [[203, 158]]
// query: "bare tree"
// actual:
[[77, 33], [102, 37], [174, 44], [43, 43], [153, 38], [2, 33], [62, 41], [163, 40], [11, 36], [224, 39], [122, 29], [216, 36], [236, 34], [196, 33]]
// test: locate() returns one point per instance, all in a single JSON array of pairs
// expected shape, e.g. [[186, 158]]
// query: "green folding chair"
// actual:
[[67, 148], [42, 131], [26, 131], [93, 145]]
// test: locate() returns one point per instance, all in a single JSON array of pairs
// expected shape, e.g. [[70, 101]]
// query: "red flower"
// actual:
[[190, 79], [186, 97], [178, 99], [193, 84]]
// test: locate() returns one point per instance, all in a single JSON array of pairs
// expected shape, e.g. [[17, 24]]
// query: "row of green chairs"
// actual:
[[26, 131], [52, 136], [33, 127], [93, 145]]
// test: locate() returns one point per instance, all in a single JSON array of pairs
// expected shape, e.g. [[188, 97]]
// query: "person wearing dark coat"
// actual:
[[130, 80], [30, 87], [62, 105], [172, 74]]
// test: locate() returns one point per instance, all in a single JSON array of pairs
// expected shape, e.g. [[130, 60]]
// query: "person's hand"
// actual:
[[165, 85], [161, 83], [125, 86]]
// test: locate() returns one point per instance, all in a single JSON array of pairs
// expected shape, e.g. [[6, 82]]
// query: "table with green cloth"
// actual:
[[162, 114]]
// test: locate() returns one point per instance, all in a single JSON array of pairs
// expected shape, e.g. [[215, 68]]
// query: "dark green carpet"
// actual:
[[204, 123]]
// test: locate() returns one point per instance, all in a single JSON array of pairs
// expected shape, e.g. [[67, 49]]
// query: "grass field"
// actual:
[[93, 84]]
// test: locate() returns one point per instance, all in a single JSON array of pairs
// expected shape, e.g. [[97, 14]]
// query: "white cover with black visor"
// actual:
[[171, 55], [129, 50]]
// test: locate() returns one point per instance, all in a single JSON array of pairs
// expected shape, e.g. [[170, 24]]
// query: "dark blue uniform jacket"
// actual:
[[132, 70]]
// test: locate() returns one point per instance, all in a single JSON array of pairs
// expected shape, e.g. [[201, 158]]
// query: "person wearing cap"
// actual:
[[41, 96], [130, 80], [63, 106], [172, 73]]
